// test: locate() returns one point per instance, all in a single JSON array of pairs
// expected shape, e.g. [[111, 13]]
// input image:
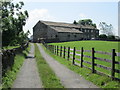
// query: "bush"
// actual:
[[111, 37], [103, 36]]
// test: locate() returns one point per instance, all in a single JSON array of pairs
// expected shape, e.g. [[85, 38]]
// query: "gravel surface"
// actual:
[[68, 78], [28, 77]]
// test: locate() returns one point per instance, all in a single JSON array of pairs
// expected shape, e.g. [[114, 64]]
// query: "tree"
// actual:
[[13, 19], [75, 22], [87, 22], [23, 37], [94, 25], [111, 37], [103, 36], [106, 29], [82, 22]]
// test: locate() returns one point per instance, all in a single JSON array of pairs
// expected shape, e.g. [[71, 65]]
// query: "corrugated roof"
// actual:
[[66, 25], [69, 30]]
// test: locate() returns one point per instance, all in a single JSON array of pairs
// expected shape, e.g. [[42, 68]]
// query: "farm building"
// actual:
[[57, 31]]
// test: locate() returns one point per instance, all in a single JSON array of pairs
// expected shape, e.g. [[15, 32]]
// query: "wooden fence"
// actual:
[[71, 53]]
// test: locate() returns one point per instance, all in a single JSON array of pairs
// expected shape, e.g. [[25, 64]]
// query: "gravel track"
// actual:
[[28, 77]]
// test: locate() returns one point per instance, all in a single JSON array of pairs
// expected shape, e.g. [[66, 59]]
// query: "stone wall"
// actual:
[[9, 55]]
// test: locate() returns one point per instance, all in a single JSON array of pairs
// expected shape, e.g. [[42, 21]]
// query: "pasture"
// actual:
[[105, 46], [98, 45]]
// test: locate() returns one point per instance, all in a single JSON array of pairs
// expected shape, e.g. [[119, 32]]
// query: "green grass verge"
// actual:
[[11, 47], [100, 81], [10, 75], [48, 77]]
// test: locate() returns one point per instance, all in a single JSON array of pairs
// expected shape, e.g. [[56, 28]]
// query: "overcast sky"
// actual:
[[64, 11]]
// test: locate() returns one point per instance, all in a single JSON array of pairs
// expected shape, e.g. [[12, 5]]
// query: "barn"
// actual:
[[59, 32]]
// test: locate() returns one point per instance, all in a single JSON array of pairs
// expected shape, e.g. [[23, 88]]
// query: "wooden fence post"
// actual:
[[61, 51], [73, 56], [68, 53], [64, 52], [57, 50], [81, 57], [113, 64], [93, 62]]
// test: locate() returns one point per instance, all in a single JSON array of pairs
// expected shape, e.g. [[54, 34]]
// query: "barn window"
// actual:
[[96, 31], [56, 36], [75, 35], [68, 35], [88, 30], [88, 36]]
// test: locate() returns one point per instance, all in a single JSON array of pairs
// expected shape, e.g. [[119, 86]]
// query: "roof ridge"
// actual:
[[52, 23], [56, 22]]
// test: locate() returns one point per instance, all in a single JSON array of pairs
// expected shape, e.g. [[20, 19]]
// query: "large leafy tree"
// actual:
[[86, 22], [13, 19]]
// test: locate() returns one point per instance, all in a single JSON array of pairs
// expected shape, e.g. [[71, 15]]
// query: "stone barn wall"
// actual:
[[70, 36], [90, 33], [39, 31], [51, 34]]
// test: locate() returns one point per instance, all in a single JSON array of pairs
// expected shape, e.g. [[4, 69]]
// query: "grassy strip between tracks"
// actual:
[[48, 77], [100, 81]]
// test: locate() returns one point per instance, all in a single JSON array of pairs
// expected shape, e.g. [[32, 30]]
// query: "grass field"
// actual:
[[98, 45], [105, 46]]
